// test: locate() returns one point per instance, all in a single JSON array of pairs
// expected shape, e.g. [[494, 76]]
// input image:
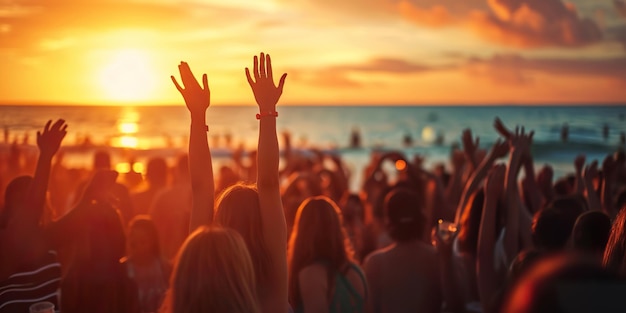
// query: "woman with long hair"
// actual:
[[213, 273], [322, 274], [256, 211], [615, 251]]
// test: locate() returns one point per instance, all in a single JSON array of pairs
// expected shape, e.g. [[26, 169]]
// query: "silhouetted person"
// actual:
[[355, 138], [102, 161], [605, 132], [408, 140], [591, 233], [565, 132], [156, 178]]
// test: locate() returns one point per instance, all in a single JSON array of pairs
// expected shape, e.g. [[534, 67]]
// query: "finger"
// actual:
[[180, 89], [282, 83], [205, 82], [38, 135], [255, 69], [250, 81], [57, 125], [64, 128], [531, 134], [269, 73], [187, 76], [47, 127], [263, 72]]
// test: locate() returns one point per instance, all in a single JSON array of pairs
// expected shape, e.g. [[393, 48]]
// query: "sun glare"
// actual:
[[128, 76]]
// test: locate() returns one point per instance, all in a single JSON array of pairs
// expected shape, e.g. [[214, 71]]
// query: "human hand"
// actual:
[[196, 98], [50, 139], [458, 160], [499, 149], [501, 129], [579, 163], [265, 92], [609, 167], [469, 145], [520, 141]]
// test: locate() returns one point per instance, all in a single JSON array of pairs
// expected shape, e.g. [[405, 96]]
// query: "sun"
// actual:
[[128, 76]]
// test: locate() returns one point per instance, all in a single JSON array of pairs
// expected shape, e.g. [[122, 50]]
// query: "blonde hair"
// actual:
[[213, 273]]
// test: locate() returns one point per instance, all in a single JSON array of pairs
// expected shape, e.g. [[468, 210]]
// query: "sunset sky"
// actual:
[[334, 51]]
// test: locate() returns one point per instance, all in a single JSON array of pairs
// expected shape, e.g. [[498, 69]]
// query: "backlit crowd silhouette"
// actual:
[[255, 237]]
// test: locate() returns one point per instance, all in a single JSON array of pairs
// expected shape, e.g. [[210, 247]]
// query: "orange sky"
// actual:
[[336, 52]]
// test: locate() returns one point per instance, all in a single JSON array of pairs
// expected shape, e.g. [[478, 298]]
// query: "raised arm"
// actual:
[[485, 266], [197, 100], [272, 214], [48, 141]]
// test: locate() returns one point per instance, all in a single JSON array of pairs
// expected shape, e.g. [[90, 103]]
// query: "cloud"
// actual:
[[351, 75], [531, 23], [517, 70]]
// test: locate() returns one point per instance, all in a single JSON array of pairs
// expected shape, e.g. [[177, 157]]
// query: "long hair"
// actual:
[[238, 208], [213, 273], [317, 237], [615, 251]]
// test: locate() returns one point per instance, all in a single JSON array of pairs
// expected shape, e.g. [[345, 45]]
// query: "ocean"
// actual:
[[145, 131]]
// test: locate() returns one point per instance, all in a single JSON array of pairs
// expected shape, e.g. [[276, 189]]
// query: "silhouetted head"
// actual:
[[14, 197], [566, 283], [317, 236], [238, 208], [591, 232], [403, 215], [470, 223], [102, 160], [352, 208], [143, 238], [552, 226], [156, 171], [522, 263], [213, 272], [615, 251]]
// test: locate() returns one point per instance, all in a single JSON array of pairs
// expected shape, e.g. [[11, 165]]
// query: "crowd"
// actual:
[[256, 237]]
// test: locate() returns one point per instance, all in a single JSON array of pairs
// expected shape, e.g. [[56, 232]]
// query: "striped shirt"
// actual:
[[22, 289]]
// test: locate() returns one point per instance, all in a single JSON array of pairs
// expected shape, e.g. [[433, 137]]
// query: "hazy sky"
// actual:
[[335, 51]]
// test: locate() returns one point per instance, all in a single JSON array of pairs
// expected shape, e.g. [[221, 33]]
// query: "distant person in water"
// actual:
[[622, 138], [355, 138], [408, 140], [605, 132], [565, 132]]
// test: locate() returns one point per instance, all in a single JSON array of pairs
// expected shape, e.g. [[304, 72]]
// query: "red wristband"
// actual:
[[266, 114]]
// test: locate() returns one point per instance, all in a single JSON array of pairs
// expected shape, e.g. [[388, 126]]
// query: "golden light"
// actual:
[[122, 167], [128, 76], [138, 167], [128, 127], [428, 134], [128, 142], [400, 165]]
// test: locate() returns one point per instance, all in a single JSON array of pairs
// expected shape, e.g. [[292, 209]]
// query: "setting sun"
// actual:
[[128, 76]]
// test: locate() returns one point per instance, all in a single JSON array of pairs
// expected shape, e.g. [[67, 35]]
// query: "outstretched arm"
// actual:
[[48, 141], [197, 100], [272, 214], [485, 267]]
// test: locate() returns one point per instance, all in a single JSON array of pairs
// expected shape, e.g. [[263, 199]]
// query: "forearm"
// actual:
[[511, 241], [201, 171], [485, 270], [473, 183], [36, 199], [268, 154], [607, 192]]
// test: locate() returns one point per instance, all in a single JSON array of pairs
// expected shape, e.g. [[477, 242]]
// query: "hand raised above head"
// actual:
[[579, 163], [196, 98], [501, 129], [521, 140], [499, 149], [469, 144], [49, 140], [265, 92]]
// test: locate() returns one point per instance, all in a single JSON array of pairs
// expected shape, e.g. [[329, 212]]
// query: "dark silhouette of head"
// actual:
[[591, 232], [156, 171], [14, 196], [102, 160], [552, 226], [143, 238], [404, 218]]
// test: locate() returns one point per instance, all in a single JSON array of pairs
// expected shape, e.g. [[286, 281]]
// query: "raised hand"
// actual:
[[591, 173], [50, 139], [521, 141], [470, 146], [501, 129], [196, 98], [499, 149], [265, 92]]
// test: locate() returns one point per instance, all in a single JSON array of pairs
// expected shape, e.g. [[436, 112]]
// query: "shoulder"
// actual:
[[377, 256], [313, 272]]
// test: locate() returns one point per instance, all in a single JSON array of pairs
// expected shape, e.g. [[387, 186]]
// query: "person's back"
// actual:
[[404, 278]]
